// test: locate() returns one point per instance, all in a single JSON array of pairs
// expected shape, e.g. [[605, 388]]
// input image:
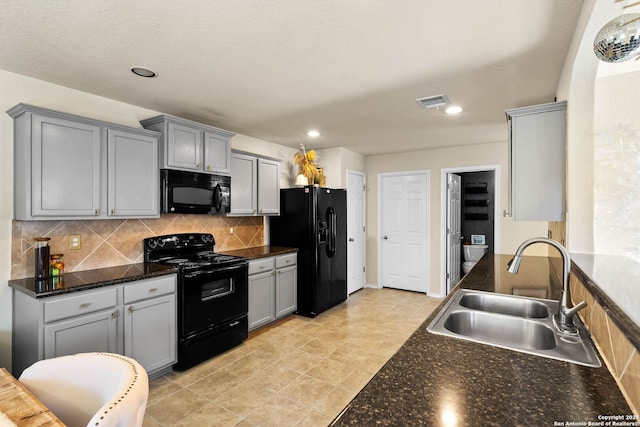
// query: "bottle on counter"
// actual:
[[41, 264], [56, 265]]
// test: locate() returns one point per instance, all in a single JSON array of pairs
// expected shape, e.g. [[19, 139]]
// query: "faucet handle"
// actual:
[[573, 310], [564, 318]]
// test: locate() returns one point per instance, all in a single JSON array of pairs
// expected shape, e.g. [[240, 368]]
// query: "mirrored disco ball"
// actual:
[[619, 39]]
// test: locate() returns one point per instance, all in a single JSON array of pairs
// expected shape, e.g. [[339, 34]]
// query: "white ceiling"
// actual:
[[273, 69]]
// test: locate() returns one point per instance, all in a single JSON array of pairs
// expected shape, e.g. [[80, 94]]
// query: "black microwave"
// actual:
[[194, 193]]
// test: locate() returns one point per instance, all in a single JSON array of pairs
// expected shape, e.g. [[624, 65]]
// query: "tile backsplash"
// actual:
[[619, 354], [106, 243]]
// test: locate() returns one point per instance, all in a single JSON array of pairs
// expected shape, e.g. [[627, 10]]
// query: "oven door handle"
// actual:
[[220, 270], [231, 290]]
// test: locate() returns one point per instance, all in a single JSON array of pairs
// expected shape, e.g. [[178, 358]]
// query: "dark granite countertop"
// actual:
[[89, 279], [434, 380], [260, 251]]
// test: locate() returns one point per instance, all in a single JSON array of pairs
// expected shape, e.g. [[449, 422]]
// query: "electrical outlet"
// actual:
[[230, 230], [75, 242]]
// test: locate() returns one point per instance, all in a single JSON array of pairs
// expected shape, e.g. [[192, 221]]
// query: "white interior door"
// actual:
[[403, 230], [355, 231], [453, 229]]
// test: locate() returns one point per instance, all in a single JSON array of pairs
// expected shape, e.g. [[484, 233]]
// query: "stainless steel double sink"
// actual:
[[513, 322]]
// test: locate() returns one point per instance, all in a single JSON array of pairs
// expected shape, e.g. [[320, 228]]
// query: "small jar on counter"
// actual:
[[56, 265], [41, 262]]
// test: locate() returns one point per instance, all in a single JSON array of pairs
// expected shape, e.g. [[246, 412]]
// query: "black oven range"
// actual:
[[212, 295]]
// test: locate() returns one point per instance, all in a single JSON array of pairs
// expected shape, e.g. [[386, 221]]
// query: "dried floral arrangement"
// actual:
[[306, 161]]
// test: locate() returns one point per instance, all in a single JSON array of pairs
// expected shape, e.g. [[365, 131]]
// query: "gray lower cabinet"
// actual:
[[286, 284], [137, 319], [80, 323], [71, 167], [272, 289], [150, 323]]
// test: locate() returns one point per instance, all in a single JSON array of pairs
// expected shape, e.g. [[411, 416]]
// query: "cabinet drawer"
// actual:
[[84, 302], [149, 288], [286, 260], [260, 265]]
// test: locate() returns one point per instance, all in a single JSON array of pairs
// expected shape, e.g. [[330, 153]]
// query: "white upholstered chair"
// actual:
[[91, 389]]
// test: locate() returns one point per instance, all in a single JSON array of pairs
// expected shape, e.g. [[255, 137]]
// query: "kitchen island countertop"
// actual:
[[434, 380]]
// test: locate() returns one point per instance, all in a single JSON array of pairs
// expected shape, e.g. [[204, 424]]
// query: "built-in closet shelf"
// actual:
[[476, 202], [476, 216], [478, 188]]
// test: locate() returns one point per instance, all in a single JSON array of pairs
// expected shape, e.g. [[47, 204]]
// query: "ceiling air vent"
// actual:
[[433, 101]]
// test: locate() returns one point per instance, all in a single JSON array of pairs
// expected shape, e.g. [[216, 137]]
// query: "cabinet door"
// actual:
[[65, 167], [537, 153], [261, 299], [244, 179], [286, 290], [217, 153], [150, 332], [268, 187], [184, 147], [134, 182], [93, 332]]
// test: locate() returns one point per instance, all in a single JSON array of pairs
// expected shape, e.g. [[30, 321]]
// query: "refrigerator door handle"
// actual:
[[331, 220]]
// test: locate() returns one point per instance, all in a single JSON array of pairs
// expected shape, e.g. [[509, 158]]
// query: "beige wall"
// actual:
[[336, 162], [511, 233]]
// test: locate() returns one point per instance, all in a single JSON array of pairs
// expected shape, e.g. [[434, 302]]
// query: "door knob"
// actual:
[[385, 237], [351, 239]]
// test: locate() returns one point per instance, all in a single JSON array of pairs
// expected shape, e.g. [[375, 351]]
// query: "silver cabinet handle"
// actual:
[[351, 239], [385, 237], [85, 304]]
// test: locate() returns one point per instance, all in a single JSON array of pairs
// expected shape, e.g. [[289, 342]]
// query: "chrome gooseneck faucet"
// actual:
[[564, 315]]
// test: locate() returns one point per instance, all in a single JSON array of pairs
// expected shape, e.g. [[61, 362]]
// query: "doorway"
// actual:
[[403, 218], [356, 243], [478, 211]]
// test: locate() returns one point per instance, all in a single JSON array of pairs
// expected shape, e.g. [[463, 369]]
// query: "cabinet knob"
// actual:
[[130, 309], [113, 211], [152, 290], [85, 304], [198, 166], [97, 211]]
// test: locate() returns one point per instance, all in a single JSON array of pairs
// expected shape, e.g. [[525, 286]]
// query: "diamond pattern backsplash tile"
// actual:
[[106, 243]]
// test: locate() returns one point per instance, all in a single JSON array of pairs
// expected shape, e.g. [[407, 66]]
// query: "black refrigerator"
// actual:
[[314, 220]]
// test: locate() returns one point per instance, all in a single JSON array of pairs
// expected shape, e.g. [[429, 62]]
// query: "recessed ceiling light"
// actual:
[[313, 133], [453, 109], [143, 72]]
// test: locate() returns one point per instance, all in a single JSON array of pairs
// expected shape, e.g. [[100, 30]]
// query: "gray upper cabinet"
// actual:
[[255, 185], [537, 160], [132, 184], [65, 167], [192, 146], [71, 167]]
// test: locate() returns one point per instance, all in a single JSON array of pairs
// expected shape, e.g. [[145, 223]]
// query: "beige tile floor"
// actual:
[[297, 372]]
